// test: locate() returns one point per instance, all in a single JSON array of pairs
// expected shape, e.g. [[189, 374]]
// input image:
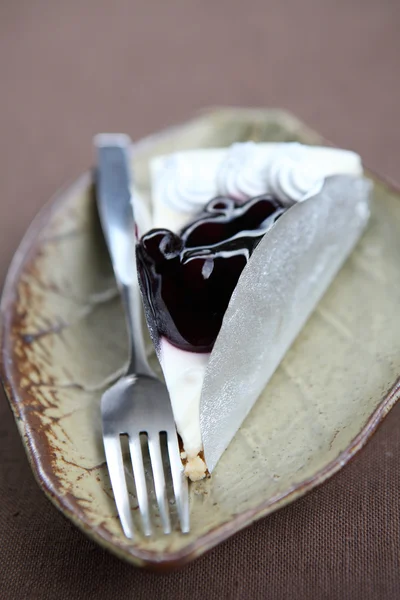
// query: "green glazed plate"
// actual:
[[63, 341]]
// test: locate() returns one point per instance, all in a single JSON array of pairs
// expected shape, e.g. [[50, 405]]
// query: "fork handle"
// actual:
[[114, 202]]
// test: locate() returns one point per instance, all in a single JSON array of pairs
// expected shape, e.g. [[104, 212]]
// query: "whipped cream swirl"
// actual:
[[292, 172], [187, 185], [243, 174]]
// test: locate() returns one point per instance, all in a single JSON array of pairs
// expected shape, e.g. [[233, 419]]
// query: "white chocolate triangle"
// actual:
[[279, 288]]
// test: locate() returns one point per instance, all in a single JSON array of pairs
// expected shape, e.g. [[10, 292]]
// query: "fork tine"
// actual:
[[112, 447], [140, 482], [179, 481], [159, 480]]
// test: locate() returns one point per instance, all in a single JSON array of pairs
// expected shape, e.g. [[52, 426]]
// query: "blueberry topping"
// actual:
[[188, 279]]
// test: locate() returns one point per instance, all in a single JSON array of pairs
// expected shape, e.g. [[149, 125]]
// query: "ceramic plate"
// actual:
[[63, 341]]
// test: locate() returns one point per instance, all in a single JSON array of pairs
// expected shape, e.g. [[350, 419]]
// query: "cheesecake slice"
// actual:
[[211, 210]]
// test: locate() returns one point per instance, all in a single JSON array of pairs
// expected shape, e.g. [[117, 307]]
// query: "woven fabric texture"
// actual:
[[71, 69]]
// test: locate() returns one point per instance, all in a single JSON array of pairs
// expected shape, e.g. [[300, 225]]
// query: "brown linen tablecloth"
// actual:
[[70, 69]]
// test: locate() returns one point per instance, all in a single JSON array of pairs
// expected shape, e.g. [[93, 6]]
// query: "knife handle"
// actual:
[[114, 202]]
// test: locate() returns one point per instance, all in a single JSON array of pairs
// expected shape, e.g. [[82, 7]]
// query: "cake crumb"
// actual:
[[195, 468]]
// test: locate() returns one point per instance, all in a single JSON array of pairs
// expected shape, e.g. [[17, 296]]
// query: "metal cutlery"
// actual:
[[138, 404]]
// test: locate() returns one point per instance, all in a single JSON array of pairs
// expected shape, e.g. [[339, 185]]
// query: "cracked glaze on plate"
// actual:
[[63, 339]]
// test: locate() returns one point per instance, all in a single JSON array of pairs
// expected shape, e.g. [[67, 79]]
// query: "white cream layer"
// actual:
[[184, 374]]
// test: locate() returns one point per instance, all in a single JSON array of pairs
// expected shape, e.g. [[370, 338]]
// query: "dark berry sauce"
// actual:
[[187, 280]]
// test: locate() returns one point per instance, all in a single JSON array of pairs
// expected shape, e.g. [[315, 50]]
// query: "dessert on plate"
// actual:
[[243, 243]]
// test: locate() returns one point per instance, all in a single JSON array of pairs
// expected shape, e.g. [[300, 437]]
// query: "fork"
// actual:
[[138, 403]]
